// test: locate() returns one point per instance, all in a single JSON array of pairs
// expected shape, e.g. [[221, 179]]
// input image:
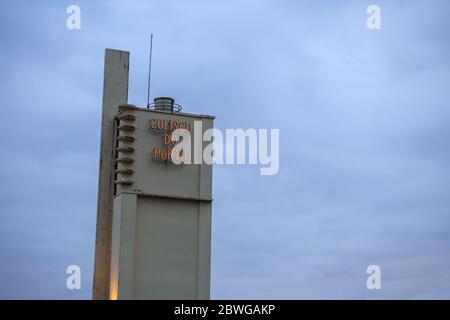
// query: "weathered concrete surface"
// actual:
[[115, 92]]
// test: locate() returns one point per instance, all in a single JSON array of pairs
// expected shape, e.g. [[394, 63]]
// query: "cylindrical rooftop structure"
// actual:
[[164, 103]]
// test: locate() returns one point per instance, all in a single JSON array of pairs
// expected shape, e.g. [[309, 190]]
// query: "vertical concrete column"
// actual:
[[123, 246], [204, 251], [115, 93]]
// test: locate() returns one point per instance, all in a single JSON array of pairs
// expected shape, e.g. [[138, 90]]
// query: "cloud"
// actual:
[[363, 124]]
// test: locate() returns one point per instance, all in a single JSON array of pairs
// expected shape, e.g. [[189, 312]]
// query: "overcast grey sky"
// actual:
[[364, 125]]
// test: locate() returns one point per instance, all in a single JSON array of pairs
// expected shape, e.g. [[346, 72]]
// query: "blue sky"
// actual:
[[364, 126]]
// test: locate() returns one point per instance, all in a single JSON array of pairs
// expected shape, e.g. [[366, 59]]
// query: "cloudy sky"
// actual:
[[364, 125]]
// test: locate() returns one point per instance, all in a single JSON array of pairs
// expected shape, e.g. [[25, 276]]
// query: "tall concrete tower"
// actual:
[[154, 217]]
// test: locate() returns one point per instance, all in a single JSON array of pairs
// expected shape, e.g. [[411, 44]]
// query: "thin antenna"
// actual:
[[149, 71]]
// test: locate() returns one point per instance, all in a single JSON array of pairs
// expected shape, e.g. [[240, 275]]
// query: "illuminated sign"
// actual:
[[166, 127]]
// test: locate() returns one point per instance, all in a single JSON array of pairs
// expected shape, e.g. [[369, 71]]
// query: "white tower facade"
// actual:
[[154, 217]]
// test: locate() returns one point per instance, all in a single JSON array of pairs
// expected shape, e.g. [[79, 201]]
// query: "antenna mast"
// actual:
[[149, 71]]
